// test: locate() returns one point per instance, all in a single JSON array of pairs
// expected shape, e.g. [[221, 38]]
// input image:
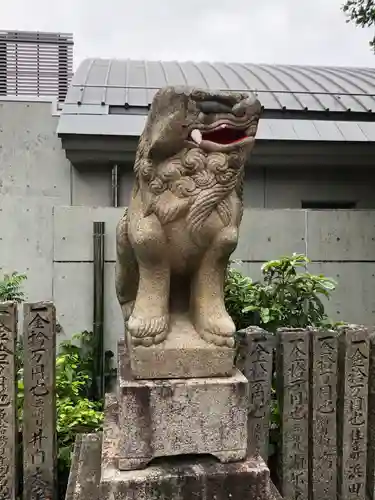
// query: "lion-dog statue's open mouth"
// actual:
[[181, 226], [223, 124]]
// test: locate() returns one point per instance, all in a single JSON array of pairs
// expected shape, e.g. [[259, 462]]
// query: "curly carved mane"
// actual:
[[195, 182]]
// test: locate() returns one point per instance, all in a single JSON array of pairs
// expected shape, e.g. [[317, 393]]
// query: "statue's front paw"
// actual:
[[218, 330], [148, 331]]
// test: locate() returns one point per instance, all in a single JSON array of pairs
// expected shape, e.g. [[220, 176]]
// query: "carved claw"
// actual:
[[218, 331], [148, 332], [218, 340]]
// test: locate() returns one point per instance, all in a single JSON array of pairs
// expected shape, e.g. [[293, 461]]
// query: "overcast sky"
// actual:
[[267, 31]]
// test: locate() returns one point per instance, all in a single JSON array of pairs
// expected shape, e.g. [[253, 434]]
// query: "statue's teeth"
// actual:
[[196, 136]]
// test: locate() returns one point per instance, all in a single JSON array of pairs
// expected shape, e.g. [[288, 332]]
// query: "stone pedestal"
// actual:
[[158, 418], [166, 479], [170, 440], [182, 355]]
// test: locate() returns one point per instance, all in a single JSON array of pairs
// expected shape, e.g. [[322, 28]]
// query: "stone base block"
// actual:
[[179, 479], [193, 478], [158, 418], [182, 355]]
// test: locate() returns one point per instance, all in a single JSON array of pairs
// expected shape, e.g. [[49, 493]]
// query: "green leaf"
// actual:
[[265, 315]]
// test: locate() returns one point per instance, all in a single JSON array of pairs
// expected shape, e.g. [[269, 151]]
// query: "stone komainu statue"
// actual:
[[175, 239]]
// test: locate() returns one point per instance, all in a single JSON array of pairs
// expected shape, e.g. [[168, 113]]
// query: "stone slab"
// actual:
[[85, 470], [323, 393], [8, 401], [254, 360], [39, 415], [154, 418], [354, 354], [184, 354], [371, 423], [275, 494], [189, 478], [293, 393]]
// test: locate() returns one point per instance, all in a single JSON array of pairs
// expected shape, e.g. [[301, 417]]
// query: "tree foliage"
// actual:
[[361, 13]]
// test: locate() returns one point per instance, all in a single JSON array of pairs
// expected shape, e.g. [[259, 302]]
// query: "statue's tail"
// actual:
[[126, 271]]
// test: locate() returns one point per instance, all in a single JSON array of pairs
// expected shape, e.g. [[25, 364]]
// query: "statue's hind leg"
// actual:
[[126, 269], [149, 321], [211, 319]]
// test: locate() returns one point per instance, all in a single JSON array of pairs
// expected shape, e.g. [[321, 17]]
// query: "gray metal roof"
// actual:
[[111, 97], [101, 82]]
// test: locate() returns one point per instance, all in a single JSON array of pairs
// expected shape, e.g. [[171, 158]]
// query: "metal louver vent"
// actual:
[[35, 64]]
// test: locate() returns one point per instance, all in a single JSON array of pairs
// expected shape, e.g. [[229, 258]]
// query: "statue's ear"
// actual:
[[168, 134]]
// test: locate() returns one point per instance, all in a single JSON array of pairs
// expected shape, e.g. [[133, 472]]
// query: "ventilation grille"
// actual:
[[35, 64]]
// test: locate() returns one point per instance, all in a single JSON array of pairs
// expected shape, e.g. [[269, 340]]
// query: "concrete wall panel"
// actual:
[[341, 235], [26, 243], [73, 226], [73, 296], [267, 234], [354, 298]]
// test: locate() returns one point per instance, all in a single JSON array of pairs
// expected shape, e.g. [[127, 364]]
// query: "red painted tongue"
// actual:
[[223, 136]]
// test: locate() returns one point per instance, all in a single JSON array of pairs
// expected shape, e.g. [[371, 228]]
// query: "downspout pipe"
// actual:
[[115, 186], [98, 307]]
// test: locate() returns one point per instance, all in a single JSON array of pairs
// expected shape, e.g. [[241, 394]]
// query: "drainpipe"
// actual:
[[115, 186], [98, 308]]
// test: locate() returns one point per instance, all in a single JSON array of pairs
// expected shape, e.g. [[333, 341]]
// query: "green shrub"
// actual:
[[76, 409], [10, 287], [287, 296]]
